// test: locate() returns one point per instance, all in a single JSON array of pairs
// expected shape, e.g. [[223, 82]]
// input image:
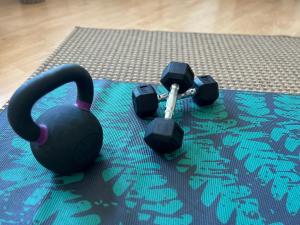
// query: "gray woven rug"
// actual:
[[244, 62]]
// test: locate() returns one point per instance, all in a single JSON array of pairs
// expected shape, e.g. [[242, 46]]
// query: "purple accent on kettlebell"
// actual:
[[83, 105], [43, 134]]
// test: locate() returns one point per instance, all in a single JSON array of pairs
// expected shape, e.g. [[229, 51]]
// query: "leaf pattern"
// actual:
[[239, 164], [272, 154]]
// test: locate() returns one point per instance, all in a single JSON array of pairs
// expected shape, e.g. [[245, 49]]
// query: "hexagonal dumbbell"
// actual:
[[145, 99], [163, 134]]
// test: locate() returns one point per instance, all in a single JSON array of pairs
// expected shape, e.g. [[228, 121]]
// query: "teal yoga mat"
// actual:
[[239, 164]]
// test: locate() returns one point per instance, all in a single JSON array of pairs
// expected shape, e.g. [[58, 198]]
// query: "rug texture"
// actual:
[[238, 62], [239, 164]]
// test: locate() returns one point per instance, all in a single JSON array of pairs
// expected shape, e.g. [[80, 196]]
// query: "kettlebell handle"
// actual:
[[22, 101]]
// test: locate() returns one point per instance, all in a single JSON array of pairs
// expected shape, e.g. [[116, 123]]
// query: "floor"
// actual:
[[28, 33]]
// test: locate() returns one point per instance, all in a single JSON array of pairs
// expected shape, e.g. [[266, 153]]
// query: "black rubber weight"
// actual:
[[163, 135]]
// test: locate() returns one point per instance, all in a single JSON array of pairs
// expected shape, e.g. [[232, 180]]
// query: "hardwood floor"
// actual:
[[28, 33]]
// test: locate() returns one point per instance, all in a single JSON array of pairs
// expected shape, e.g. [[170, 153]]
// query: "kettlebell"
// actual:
[[66, 138]]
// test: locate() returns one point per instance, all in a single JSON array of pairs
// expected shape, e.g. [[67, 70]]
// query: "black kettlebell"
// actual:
[[66, 138]]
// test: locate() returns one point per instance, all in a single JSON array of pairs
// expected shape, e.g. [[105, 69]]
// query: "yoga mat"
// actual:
[[239, 164]]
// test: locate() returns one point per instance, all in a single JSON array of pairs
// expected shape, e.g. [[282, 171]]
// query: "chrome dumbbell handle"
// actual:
[[189, 93], [171, 101]]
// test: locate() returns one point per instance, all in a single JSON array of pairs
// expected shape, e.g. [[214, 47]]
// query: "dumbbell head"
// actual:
[[177, 73], [163, 135], [144, 99], [207, 90]]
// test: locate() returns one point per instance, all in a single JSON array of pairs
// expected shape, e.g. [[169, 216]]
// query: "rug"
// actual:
[[238, 62]]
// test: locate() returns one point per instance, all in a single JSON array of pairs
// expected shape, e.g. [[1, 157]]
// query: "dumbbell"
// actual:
[[145, 99], [164, 135]]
